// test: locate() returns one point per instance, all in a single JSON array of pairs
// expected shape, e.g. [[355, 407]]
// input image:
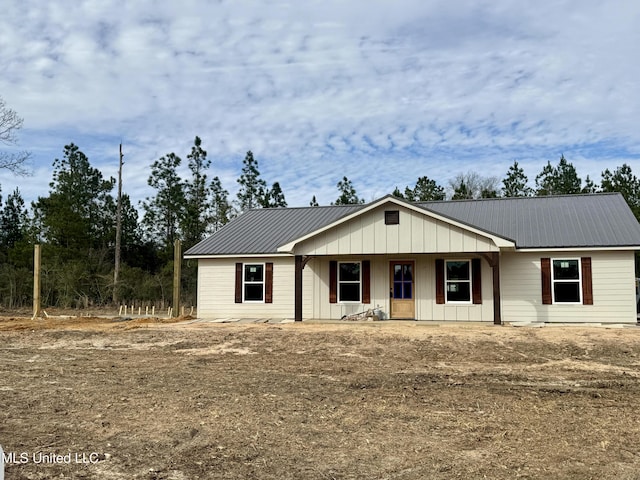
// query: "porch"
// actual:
[[429, 287]]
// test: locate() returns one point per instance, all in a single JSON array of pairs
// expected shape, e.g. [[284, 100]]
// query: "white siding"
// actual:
[[613, 289], [307, 291], [426, 308], [216, 289], [417, 233], [430, 310]]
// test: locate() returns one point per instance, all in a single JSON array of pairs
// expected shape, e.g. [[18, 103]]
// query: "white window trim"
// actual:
[[359, 282], [554, 281], [244, 282], [446, 280]]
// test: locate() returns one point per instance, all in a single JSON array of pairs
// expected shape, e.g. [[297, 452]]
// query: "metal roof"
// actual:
[[597, 220], [263, 230]]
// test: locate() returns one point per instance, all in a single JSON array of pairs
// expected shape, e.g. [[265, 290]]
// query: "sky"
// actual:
[[382, 92]]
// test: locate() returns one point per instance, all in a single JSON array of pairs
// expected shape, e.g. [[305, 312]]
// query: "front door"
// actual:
[[402, 288]]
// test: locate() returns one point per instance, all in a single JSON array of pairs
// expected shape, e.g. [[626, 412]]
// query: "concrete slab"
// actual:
[[527, 324], [416, 323]]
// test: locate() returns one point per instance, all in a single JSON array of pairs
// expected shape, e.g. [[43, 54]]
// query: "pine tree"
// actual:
[[220, 206], [348, 194], [75, 213], [462, 192], [13, 220], [623, 180], [559, 180], [397, 193], [515, 183], [425, 190], [589, 186], [76, 223], [197, 215], [275, 197], [164, 211], [252, 187]]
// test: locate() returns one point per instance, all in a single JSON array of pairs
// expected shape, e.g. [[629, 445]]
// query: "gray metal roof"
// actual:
[[263, 230], [600, 220]]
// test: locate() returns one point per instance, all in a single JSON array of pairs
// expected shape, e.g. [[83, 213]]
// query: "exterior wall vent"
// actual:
[[392, 217]]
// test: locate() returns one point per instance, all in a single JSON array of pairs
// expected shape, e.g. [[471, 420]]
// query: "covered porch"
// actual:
[[428, 286]]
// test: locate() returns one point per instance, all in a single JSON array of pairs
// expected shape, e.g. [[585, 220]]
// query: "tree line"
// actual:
[[75, 224], [559, 179], [76, 221]]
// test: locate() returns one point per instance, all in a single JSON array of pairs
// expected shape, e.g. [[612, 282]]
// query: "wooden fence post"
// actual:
[[36, 280], [177, 263]]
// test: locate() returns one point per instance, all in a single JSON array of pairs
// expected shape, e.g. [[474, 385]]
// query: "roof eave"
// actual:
[[582, 248], [234, 255]]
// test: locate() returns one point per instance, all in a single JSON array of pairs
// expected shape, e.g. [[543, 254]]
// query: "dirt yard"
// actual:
[[99, 399]]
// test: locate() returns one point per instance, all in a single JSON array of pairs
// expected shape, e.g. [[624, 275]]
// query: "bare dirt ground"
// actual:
[[148, 400]]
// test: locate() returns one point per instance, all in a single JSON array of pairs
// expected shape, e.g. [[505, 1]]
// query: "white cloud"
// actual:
[[382, 92]]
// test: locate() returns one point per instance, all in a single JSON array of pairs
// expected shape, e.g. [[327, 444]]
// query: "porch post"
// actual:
[[299, 265], [495, 267]]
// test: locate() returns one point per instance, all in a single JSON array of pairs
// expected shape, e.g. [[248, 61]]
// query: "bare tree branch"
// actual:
[[16, 162], [10, 123]]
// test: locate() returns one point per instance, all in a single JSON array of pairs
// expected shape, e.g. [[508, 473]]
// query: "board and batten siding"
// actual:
[[613, 277], [424, 275], [416, 233], [216, 289], [462, 313]]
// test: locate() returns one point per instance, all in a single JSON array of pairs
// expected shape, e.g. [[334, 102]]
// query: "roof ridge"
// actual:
[[533, 197], [306, 207], [352, 205]]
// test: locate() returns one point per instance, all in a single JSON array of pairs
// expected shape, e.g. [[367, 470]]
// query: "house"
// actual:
[[545, 259]]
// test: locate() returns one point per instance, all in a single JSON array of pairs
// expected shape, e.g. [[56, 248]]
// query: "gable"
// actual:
[[416, 232]]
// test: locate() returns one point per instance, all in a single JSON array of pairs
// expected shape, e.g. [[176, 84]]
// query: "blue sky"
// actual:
[[380, 91]]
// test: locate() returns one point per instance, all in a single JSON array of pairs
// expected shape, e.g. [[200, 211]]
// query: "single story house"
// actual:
[[546, 259]]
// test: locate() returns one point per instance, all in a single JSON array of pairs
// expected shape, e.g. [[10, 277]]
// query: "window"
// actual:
[[392, 217], [403, 280], [253, 287], [349, 282], [458, 281], [566, 281]]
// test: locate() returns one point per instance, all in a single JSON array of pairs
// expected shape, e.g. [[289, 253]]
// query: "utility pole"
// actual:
[[116, 269]]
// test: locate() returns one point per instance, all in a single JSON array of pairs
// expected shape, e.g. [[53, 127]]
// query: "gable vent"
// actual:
[[392, 217]]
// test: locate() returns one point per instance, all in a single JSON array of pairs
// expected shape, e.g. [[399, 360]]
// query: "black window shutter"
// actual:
[[366, 281], [333, 281], [439, 281], [545, 266], [268, 283], [238, 282], [587, 284], [476, 280]]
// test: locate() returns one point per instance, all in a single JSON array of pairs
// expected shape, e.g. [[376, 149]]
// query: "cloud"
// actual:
[[383, 92]]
